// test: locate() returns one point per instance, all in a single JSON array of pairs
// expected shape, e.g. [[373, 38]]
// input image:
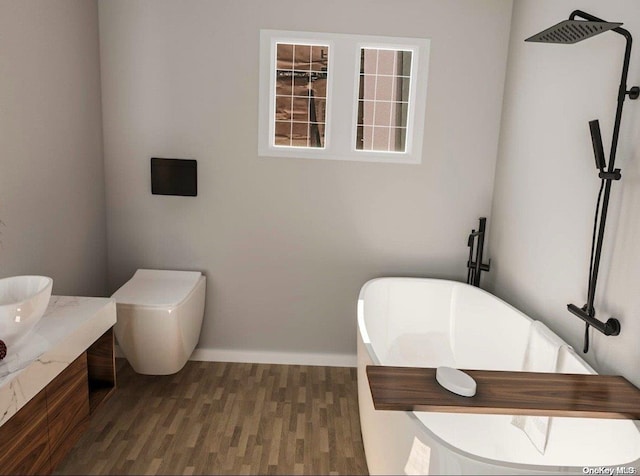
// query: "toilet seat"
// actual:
[[157, 288]]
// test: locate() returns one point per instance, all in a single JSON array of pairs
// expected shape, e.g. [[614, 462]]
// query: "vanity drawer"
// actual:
[[24, 441], [67, 408]]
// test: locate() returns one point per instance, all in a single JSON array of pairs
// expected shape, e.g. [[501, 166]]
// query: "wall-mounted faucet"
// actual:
[[476, 266]]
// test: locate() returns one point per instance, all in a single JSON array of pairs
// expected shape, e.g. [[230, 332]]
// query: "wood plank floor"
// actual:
[[225, 418]]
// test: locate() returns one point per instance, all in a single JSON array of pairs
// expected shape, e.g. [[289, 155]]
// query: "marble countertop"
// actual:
[[69, 326]]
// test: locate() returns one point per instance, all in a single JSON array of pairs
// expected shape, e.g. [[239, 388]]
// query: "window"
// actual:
[[344, 97], [383, 99], [300, 95]]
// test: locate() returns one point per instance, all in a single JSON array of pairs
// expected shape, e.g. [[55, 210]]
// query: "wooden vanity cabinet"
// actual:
[[39, 436]]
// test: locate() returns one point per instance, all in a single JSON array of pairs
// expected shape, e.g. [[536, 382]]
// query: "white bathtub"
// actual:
[[431, 322]]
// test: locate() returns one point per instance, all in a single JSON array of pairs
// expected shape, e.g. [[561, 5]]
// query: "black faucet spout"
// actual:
[[475, 266]]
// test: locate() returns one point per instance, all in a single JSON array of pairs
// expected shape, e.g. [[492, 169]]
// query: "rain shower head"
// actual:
[[572, 31]]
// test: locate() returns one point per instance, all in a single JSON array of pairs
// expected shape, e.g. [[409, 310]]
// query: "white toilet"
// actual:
[[159, 319]]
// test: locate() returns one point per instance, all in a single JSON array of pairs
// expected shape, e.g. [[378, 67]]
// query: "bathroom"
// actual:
[[91, 90]]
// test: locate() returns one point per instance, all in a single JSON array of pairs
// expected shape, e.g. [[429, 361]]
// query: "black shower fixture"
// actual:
[[571, 31], [475, 266], [596, 140], [568, 32]]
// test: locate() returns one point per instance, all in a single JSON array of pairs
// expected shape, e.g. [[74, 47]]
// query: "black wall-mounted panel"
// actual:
[[174, 177]]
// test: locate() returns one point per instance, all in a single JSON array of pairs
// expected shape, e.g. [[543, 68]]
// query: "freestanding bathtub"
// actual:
[[429, 323]]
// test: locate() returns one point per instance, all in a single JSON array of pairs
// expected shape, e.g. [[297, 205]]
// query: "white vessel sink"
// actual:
[[23, 300]]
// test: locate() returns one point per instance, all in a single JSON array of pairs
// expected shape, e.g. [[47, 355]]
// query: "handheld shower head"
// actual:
[[572, 31], [596, 140]]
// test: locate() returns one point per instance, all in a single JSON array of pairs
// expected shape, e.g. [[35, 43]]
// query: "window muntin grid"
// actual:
[[301, 72], [383, 99]]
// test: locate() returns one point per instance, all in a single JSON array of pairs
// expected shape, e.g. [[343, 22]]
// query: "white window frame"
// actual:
[[342, 96]]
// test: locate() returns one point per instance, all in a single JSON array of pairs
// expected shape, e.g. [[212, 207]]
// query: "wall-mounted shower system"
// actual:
[[476, 266], [568, 32]]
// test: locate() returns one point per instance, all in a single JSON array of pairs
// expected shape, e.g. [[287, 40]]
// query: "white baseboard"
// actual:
[[267, 357]]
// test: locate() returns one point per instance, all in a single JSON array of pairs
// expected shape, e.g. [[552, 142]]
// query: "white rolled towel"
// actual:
[[419, 459], [541, 355]]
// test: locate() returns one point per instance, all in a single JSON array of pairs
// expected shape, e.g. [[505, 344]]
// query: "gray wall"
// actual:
[[51, 165], [287, 243], [546, 183]]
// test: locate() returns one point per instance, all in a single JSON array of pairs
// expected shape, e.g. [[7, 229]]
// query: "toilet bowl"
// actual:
[[159, 319]]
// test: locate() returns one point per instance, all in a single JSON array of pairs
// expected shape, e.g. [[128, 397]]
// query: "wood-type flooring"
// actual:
[[225, 418]]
